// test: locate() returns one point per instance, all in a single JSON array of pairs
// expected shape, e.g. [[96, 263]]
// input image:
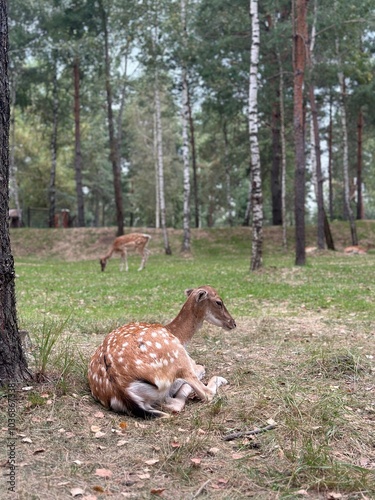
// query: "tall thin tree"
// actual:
[[78, 152], [256, 176], [299, 62], [52, 176], [185, 140], [113, 144]]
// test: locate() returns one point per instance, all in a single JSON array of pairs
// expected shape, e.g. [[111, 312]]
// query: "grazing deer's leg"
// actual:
[[124, 260], [145, 254]]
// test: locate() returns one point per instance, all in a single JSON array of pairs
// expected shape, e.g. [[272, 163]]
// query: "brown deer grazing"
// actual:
[[133, 241], [142, 368]]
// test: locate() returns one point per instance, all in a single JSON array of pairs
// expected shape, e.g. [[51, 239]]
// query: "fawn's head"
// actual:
[[208, 303]]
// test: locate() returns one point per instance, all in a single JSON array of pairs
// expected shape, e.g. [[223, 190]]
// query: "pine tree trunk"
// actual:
[[52, 177], [283, 150], [276, 163], [300, 39], [13, 365], [78, 154], [113, 146], [345, 160], [256, 188], [318, 169], [315, 139]]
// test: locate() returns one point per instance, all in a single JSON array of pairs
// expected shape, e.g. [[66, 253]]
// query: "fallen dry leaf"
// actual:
[[144, 476], [99, 489], [196, 461], [95, 428], [99, 414], [122, 442], [103, 473], [123, 425], [237, 456], [152, 461], [157, 491], [99, 434], [40, 450], [26, 440], [333, 496], [76, 491], [175, 444]]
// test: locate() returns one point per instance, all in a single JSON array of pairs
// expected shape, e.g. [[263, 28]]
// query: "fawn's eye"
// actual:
[[219, 303]]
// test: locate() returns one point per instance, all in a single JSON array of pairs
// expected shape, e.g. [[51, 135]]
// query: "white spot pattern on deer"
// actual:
[[145, 388]]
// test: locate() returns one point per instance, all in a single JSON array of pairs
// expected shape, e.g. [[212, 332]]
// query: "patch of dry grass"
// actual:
[[311, 375]]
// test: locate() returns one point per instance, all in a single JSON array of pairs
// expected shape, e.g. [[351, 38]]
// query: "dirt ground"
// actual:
[[299, 375]]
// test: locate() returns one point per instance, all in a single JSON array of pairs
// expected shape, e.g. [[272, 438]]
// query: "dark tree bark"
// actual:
[[13, 365], [52, 177], [276, 164], [113, 145], [78, 153], [299, 63], [319, 176]]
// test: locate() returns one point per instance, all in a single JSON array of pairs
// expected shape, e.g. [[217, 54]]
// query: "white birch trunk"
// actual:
[[185, 142], [157, 195], [256, 177], [159, 140]]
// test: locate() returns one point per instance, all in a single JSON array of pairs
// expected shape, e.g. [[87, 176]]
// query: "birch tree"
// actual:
[[185, 140], [256, 177]]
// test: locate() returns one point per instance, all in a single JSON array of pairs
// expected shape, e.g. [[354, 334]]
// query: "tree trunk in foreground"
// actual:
[[13, 365]]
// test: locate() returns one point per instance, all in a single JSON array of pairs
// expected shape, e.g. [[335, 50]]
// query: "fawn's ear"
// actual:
[[201, 295]]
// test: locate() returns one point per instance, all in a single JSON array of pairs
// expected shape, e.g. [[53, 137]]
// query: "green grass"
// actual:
[[302, 355], [341, 284]]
